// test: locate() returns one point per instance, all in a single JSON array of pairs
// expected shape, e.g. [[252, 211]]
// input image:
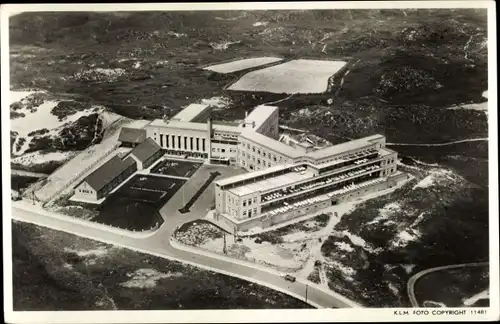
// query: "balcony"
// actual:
[[304, 188]]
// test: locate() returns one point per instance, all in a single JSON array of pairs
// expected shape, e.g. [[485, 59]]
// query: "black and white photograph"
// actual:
[[222, 157]]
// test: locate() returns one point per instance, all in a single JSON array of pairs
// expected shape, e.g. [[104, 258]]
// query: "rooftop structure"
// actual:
[[259, 116], [191, 112], [346, 147]]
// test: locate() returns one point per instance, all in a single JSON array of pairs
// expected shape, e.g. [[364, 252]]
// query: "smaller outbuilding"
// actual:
[[146, 153], [105, 178], [131, 137]]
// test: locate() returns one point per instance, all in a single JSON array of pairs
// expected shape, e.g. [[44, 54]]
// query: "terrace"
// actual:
[[352, 159], [321, 186], [273, 182], [320, 195]]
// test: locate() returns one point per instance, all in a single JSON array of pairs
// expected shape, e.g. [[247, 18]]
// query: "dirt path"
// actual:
[[440, 144], [28, 173]]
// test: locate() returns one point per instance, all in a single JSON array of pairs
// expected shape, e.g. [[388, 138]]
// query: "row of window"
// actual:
[[222, 150], [249, 201], [249, 213], [182, 142], [84, 191], [225, 135]]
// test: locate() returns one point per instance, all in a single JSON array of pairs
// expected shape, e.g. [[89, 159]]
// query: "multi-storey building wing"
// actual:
[[293, 182], [284, 181]]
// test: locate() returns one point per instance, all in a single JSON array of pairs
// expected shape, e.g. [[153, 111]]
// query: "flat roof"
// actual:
[[345, 147], [271, 183], [193, 126], [190, 112], [253, 174], [260, 114], [271, 143]]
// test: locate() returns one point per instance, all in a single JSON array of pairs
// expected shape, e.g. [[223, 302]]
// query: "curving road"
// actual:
[[158, 243], [481, 139], [418, 275]]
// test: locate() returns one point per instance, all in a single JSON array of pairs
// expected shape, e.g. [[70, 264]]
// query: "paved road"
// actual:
[[418, 275], [158, 244]]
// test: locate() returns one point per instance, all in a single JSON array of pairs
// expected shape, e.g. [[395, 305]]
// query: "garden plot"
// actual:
[[134, 206], [239, 65], [176, 168], [297, 76]]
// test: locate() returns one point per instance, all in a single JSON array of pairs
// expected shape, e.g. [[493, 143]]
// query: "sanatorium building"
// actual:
[[284, 181]]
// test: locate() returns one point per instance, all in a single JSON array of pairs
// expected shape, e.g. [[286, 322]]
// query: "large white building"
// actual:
[[284, 181], [192, 132]]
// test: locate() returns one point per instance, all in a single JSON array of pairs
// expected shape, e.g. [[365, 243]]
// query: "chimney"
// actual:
[[209, 137], [209, 127], [246, 114]]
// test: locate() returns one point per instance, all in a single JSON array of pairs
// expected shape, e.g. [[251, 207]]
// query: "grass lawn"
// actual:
[[452, 286], [176, 168], [135, 205], [58, 271]]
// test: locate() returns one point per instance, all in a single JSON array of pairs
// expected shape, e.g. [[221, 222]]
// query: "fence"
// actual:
[[80, 174]]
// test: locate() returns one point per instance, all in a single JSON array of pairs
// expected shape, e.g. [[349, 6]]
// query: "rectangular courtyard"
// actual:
[[135, 205], [176, 168]]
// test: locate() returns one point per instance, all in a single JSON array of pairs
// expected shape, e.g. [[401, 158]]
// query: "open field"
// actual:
[[453, 287], [235, 66], [297, 76], [176, 168], [135, 205], [58, 271]]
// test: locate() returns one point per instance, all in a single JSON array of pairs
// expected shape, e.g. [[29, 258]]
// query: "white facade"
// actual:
[[283, 181], [85, 192], [296, 187]]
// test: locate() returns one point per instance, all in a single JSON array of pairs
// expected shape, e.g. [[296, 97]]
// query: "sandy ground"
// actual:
[[40, 158], [297, 76], [239, 65], [39, 119]]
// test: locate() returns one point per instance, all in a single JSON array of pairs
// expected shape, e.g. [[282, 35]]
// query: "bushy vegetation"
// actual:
[[66, 108], [398, 56], [454, 229], [50, 275], [77, 135]]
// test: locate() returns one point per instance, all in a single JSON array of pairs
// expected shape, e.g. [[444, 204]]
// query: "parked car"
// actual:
[[290, 278]]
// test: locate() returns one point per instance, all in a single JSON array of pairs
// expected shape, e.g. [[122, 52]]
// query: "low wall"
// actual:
[[89, 223]]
